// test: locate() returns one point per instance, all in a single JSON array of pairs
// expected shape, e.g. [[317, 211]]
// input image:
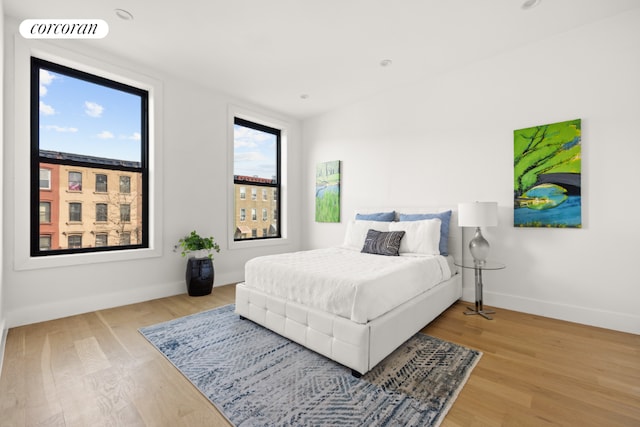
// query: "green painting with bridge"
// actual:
[[547, 175]]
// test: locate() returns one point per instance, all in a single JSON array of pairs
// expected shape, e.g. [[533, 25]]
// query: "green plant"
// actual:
[[194, 242]]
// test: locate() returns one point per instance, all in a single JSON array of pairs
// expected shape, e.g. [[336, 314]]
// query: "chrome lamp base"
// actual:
[[479, 247]]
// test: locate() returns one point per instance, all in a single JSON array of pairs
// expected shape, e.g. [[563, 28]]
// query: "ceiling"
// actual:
[[302, 58]]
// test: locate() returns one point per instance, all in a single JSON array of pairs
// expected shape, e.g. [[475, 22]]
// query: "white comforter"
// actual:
[[345, 282]]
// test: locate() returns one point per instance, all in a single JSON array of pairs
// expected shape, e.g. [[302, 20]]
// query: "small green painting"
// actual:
[[328, 191], [547, 175]]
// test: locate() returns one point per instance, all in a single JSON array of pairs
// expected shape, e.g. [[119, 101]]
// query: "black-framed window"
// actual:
[[256, 141], [69, 108]]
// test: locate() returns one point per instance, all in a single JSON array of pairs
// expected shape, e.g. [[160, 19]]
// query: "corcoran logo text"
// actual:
[[64, 28]]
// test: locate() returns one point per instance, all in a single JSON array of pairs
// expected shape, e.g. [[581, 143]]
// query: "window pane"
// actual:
[[84, 125], [74, 241], [256, 166], [101, 240], [101, 183], [45, 212], [125, 184], [125, 238], [75, 212], [45, 243], [101, 212], [45, 179], [125, 213], [75, 181]]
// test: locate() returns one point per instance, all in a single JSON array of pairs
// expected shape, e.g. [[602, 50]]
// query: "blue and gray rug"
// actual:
[[258, 378]]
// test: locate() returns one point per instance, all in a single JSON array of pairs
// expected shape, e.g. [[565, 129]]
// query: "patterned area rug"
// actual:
[[258, 378]]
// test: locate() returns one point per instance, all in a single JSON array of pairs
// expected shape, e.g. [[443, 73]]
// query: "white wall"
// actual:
[[194, 189], [3, 331], [450, 139]]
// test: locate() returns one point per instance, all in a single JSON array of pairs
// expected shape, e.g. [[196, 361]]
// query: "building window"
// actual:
[[125, 184], [114, 116], [125, 213], [101, 212], [102, 239], [101, 183], [265, 215], [243, 214], [74, 241], [75, 212], [45, 179], [45, 212], [75, 181], [243, 193], [125, 239], [45, 242], [257, 150]]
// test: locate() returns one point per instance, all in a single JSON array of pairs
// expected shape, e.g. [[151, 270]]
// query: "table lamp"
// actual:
[[478, 214]]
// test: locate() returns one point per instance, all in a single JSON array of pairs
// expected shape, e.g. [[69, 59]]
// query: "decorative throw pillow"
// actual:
[[357, 232], [378, 216], [445, 218], [382, 243]]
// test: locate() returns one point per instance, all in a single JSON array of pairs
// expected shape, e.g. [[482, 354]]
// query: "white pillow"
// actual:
[[421, 237], [357, 231]]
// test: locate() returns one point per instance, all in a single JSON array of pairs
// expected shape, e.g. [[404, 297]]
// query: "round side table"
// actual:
[[478, 268]]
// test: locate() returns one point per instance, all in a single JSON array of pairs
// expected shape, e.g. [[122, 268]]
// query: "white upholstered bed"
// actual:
[[350, 311]]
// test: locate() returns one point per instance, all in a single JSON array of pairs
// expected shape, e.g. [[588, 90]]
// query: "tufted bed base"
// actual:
[[354, 345]]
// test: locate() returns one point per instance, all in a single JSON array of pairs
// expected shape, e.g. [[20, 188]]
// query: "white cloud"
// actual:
[[47, 110], [134, 136], [61, 128], [45, 79], [105, 134], [92, 109]]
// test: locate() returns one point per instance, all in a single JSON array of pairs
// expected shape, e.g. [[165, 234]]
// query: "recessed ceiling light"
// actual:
[[124, 14], [530, 4], [386, 62]]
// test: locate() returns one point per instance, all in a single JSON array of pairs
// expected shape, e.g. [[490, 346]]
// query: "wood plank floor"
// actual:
[[95, 369]]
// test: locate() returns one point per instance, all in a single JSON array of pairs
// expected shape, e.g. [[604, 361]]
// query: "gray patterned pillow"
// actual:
[[382, 243]]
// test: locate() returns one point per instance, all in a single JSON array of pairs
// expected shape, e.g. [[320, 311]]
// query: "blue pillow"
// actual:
[[445, 218], [378, 216]]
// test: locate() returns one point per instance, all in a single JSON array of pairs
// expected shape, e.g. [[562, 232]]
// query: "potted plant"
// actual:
[[200, 274]]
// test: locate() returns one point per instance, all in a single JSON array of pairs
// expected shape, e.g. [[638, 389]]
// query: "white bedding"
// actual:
[[346, 282]]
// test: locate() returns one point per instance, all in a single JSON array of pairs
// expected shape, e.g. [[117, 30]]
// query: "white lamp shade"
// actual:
[[478, 214]]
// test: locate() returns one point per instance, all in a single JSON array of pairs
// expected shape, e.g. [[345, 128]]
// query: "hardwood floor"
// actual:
[[95, 369]]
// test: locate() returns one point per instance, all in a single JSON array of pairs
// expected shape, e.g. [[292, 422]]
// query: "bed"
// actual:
[[353, 307]]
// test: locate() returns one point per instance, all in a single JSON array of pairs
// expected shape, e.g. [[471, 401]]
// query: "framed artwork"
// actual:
[[328, 191], [547, 175]]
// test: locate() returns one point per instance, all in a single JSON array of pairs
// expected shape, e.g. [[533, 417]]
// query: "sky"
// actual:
[[87, 118], [255, 152]]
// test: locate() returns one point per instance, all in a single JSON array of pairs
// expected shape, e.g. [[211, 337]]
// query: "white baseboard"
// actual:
[[70, 307], [622, 322]]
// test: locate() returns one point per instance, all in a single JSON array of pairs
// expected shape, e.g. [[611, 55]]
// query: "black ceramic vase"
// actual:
[[199, 276]]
